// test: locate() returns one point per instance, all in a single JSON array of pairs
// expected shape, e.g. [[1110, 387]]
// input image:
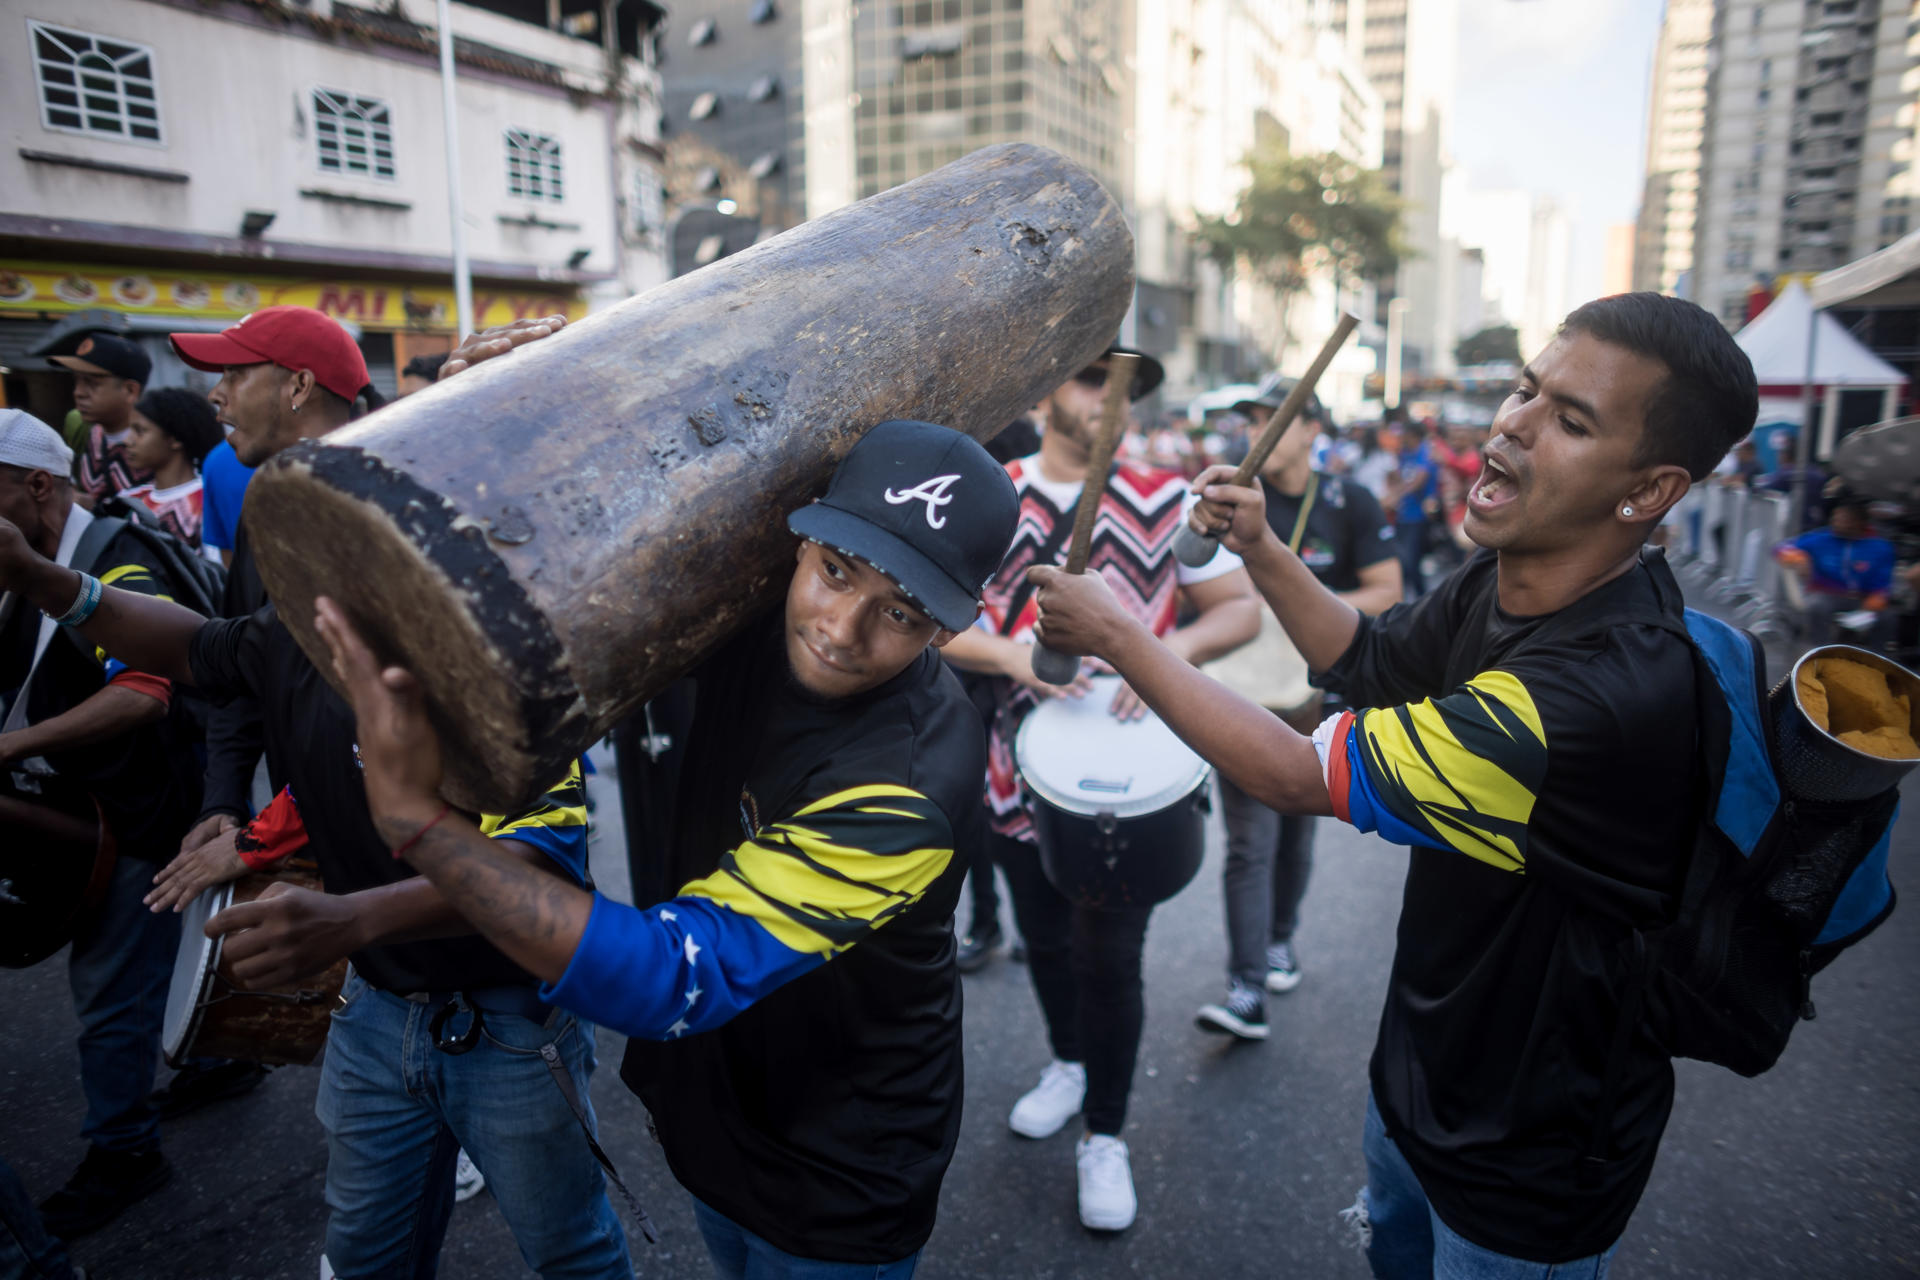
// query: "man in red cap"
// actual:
[[287, 374]]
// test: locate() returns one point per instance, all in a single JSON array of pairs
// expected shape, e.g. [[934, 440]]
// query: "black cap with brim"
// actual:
[[1147, 375], [946, 601]]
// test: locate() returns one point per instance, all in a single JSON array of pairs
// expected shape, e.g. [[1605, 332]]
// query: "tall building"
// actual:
[[1808, 155], [1213, 80], [1676, 124], [178, 166], [1408, 51], [790, 110]]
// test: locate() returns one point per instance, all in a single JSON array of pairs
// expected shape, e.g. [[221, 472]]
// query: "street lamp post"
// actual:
[[462, 276], [1803, 445]]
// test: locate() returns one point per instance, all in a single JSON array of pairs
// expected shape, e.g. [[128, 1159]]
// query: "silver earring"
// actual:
[[1626, 511]]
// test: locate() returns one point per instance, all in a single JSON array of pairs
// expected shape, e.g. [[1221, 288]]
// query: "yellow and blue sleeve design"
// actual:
[[797, 893], [555, 824], [1459, 772]]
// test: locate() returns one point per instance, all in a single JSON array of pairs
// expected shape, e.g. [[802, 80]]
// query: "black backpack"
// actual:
[[195, 581]]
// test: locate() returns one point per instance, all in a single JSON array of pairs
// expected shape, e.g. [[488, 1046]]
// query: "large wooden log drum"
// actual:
[[551, 537]]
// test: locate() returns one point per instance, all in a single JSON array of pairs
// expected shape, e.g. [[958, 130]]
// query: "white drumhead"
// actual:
[[193, 968], [1074, 755]]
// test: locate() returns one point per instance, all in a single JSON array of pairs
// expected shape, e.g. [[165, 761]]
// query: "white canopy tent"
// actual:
[[1777, 341], [1889, 278]]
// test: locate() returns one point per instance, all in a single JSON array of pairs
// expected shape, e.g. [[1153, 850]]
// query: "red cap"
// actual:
[[291, 337]]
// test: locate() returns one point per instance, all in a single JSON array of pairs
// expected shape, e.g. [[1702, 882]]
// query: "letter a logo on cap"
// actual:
[[932, 492]]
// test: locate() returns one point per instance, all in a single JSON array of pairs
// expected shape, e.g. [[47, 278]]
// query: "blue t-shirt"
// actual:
[[223, 484], [1847, 566], [1412, 508]]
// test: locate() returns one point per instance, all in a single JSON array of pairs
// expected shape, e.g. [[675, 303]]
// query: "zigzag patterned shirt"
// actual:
[[1132, 549]]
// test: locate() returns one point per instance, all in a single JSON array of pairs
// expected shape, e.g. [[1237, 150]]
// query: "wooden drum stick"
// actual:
[[1195, 549], [1049, 664]]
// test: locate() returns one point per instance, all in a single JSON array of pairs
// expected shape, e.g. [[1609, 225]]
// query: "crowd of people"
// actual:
[[788, 976]]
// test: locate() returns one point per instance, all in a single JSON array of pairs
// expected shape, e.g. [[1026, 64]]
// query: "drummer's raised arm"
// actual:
[[144, 632]]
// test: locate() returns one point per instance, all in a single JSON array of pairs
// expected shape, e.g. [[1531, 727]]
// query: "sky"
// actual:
[[1551, 97]]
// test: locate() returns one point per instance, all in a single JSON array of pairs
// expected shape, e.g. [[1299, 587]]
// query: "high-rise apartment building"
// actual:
[[1807, 161], [790, 109], [1213, 80], [1408, 51], [1676, 124]]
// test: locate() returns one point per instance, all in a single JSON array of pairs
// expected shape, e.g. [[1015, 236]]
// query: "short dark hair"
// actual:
[[427, 367], [186, 416], [1709, 399]]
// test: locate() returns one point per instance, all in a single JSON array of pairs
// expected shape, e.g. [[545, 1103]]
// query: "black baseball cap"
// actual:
[[925, 505], [1147, 375], [1274, 389], [108, 354]]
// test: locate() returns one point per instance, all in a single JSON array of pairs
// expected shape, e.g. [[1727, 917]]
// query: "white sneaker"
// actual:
[[468, 1181], [1107, 1201], [1283, 969], [1045, 1109]]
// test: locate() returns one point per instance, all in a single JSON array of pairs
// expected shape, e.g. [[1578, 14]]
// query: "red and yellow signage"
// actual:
[[375, 305]]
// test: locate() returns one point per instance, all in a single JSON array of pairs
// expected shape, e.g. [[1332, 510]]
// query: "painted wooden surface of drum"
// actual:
[[209, 1017], [1119, 807], [553, 536]]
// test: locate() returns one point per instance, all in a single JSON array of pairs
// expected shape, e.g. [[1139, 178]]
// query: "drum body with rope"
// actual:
[[1119, 807], [209, 1017]]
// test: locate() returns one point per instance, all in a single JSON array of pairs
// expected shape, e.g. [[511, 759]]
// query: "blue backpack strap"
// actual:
[[1749, 792]]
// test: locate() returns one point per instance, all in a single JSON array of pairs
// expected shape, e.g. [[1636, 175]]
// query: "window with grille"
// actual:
[[90, 84], [533, 165], [354, 135]]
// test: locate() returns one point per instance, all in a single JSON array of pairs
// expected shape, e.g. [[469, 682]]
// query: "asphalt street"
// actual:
[[1243, 1154]]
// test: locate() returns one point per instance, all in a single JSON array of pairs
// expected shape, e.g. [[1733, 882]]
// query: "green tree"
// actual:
[[1302, 215], [1499, 342]]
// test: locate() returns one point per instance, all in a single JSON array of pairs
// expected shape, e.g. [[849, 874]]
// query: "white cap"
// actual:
[[25, 441]]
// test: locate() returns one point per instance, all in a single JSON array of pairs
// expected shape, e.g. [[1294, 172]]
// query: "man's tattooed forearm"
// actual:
[[507, 899]]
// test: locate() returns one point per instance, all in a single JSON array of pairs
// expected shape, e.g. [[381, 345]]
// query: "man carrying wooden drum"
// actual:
[[795, 1010], [1547, 790], [1085, 961]]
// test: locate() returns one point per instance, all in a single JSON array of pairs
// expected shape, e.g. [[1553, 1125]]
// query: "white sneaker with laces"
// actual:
[[468, 1181], [1283, 968], [1045, 1109], [1107, 1202]]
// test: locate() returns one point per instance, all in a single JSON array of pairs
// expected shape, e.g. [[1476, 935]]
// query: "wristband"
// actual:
[[414, 839], [84, 603]]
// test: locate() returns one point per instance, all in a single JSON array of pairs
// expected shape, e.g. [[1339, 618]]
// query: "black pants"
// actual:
[[1086, 972]]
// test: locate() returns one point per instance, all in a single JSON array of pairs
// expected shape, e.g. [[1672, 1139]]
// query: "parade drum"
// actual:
[[209, 1017], [551, 538], [1119, 808]]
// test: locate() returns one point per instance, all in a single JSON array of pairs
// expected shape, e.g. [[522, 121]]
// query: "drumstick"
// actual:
[[1049, 664], [1195, 549]]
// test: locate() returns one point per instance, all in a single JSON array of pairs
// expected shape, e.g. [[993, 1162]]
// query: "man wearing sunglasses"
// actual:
[[1086, 962]]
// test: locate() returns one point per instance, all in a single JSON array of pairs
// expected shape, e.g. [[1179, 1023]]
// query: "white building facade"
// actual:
[[1212, 80], [181, 164]]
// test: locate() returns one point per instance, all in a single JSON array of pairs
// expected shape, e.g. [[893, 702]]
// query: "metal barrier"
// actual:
[[1724, 550]]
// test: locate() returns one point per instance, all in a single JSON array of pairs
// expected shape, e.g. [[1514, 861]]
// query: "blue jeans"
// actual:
[[738, 1254], [1410, 1241], [397, 1110], [27, 1252], [119, 970]]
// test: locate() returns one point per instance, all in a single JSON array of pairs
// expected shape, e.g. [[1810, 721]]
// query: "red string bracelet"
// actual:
[[414, 839]]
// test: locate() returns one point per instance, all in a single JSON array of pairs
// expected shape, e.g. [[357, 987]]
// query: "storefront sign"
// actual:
[[375, 305]]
